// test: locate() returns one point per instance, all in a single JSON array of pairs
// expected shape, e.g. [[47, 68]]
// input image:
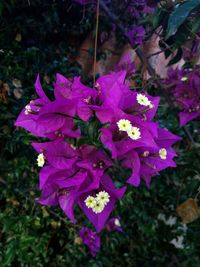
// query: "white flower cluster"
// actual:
[[126, 126], [98, 203]]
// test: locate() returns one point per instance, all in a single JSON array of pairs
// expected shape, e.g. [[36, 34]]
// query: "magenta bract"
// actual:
[[77, 162]]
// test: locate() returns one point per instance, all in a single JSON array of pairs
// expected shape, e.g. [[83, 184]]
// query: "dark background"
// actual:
[[44, 37]]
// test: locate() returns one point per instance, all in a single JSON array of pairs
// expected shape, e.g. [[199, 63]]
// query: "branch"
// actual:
[[138, 51]]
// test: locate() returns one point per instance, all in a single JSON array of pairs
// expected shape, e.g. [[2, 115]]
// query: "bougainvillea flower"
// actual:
[[90, 239], [58, 154], [99, 219], [124, 100], [114, 225], [75, 163], [166, 138], [61, 187], [132, 161], [136, 35], [126, 63], [185, 89], [48, 119], [93, 160], [148, 161], [28, 116], [83, 96], [132, 103], [62, 87], [75, 90], [108, 84], [57, 116], [185, 117], [119, 143]]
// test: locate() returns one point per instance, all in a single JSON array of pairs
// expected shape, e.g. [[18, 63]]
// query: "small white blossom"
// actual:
[[73, 147], [184, 79], [117, 222], [124, 125], [103, 197], [40, 160], [27, 109], [143, 100], [90, 202], [134, 133], [163, 153], [98, 207]]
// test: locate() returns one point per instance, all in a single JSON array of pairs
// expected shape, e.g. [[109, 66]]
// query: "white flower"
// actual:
[[98, 207], [124, 125], [117, 222], [73, 147], [40, 160], [134, 133], [143, 100], [184, 79], [146, 153], [90, 202], [27, 109], [178, 242], [163, 153], [103, 197]]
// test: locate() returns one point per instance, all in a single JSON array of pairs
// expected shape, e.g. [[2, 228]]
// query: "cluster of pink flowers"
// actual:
[[90, 131], [185, 87]]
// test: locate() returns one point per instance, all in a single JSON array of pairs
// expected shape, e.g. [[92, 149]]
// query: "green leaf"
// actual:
[[176, 58], [179, 15], [196, 24], [10, 252]]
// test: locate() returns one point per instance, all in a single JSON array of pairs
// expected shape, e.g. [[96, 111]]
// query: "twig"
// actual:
[[95, 44], [187, 132], [138, 51], [155, 54]]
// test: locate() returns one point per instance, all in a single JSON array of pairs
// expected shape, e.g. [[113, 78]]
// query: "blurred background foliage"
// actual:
[[44, 36]]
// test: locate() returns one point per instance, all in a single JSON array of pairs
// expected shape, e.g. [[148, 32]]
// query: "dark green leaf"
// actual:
[[196, 24], [10, 252], [179, 15], [176, 58]]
